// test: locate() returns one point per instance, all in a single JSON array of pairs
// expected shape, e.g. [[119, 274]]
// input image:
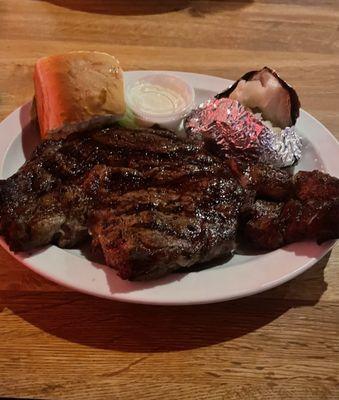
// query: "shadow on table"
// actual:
[[147, 7], [138, 328]]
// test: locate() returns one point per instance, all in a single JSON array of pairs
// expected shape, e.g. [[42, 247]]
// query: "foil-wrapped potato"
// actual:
[[254, 119]]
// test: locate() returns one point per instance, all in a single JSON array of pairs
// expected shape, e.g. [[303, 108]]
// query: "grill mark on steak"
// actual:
[[154, 203]]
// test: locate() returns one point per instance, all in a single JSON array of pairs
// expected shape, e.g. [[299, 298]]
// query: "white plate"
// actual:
[[241, 276]]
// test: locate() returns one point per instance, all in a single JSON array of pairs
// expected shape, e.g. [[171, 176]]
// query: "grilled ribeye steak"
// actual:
[[152, 203]]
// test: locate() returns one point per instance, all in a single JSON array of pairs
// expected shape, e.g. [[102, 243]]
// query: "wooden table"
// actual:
[[282, 344]]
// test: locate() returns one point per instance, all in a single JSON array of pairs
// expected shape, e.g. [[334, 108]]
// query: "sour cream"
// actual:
[[156, 99], [160, 99]]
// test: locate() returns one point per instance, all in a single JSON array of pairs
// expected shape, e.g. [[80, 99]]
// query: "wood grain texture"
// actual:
[[281, 344]]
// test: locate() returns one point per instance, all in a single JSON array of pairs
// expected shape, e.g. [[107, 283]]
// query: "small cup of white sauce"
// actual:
[[161, 99]]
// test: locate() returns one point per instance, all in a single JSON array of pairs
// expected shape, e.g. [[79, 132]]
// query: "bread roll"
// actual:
[[77, 91]]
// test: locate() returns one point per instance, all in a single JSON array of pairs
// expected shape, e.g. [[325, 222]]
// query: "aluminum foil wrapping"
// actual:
[[241, 134]]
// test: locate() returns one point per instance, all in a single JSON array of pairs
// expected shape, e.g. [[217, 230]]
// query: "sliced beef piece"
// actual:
[[264, 180], [310, 220], [263, 228], [315, 185], [273, 184], [311, 212], [268, 182], [314, 213]]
